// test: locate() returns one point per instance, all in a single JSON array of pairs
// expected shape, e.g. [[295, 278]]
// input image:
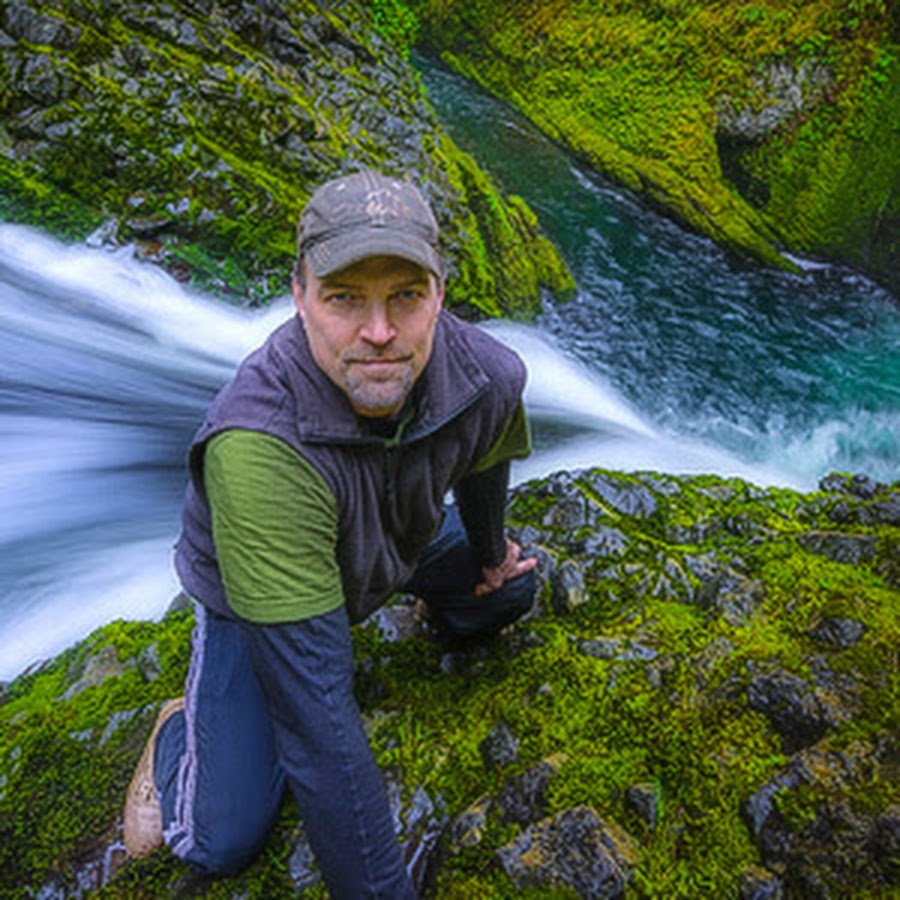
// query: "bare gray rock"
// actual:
[[576, 849]]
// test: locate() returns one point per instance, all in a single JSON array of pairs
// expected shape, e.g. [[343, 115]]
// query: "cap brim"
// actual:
[[353, 246]]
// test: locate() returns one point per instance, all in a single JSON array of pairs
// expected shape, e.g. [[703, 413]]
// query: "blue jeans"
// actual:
[[270, 706]]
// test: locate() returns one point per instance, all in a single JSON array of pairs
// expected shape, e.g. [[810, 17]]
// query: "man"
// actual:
[[318, 484]]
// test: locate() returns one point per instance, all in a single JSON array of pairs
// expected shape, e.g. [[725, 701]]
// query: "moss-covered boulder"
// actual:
[[768, 126], [703, 703], [198, 130]]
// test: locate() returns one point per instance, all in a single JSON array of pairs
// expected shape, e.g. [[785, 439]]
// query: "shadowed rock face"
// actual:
[[793, 707], [655, 728], [198, 130]]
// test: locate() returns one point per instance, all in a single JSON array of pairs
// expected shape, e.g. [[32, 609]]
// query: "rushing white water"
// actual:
[[777, 376], [589, 423], [106, 367]]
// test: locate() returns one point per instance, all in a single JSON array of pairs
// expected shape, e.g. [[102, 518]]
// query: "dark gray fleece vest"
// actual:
[[389, 498]]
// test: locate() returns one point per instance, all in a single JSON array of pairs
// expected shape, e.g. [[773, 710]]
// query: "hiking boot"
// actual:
[[143, 830]]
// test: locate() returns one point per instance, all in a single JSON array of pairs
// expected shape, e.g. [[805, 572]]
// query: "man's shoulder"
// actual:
[[498, 361]]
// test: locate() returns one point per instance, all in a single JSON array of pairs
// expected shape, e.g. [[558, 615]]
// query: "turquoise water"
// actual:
[[799, 373]]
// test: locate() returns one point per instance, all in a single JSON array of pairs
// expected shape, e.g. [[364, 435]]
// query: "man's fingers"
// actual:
[[511, 567]]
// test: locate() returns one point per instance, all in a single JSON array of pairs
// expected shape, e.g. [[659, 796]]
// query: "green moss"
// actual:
[[634, 89], [26, 198], [63, 765], [832, 180], [676, 718], [201, 143]]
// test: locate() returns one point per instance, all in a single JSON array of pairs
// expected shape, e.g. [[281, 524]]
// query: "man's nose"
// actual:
[[377, 327]]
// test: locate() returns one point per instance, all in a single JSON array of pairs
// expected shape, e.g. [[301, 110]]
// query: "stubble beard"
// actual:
[[376, 396]]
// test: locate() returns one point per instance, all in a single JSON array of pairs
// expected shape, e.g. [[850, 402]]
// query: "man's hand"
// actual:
[[512, 567]]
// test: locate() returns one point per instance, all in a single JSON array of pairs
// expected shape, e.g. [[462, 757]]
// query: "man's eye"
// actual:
[[341, 298], [407, 296]]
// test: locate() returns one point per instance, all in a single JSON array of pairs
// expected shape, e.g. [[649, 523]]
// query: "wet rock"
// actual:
[[806, 830], [398, 622], [116, 721], [729, 593], [545, 571], [599, 648], [781, 92], [567, 587], [630, 498], [419, 822], [854, 549], [102, 665], [643, 800], [759, 884], [148, 662], [795, 711], [614, 648], [181, 602], [567, 515], [603, 542], [885, 511], [861, 486], [575, 849], [302, 863], [837, 633], [765, 818], [467, 829], [524, 799], [662, 577], [884, 845], [423, 823], [500, 747]]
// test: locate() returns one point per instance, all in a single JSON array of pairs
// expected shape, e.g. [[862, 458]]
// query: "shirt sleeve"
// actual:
[[481, 499], [274, 523], [481, 495]]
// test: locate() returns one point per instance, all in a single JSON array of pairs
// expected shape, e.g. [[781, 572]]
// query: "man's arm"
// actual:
[[275, 529], [481, 498]]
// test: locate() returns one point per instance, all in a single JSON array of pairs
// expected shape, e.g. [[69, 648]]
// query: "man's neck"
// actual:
[[389, 428]]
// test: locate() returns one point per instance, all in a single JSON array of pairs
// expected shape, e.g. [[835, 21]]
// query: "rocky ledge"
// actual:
[[702, 703], [197, 129]]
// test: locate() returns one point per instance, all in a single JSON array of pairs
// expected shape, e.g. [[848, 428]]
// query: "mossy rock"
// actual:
[[197, 131], [769, 127]]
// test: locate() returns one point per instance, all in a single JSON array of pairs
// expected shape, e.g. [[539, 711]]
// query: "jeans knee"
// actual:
[[520, 594], [222, 859]]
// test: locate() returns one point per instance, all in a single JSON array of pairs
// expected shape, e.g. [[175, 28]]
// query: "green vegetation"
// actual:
[[199, 136], [713, 583], [766, 126]]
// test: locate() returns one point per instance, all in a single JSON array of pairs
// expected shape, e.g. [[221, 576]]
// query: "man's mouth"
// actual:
[[381, 362]]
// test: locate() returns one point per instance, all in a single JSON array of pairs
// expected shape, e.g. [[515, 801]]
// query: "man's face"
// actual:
[[371, 328]]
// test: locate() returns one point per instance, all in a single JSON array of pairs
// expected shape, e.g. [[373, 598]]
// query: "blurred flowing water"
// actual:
[[672, 358]]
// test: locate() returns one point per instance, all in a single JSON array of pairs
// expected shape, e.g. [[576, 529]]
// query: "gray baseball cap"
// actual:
[[367, 214]]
